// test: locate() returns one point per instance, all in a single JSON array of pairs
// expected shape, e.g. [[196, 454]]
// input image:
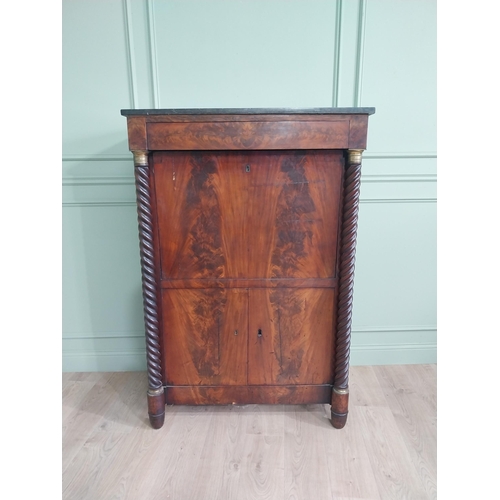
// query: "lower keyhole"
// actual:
[[259, 333]]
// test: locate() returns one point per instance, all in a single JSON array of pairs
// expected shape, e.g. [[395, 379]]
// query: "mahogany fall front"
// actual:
[[247, 251], [252, 215]]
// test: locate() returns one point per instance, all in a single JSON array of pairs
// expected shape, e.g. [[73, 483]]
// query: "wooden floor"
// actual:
[[386, 451]]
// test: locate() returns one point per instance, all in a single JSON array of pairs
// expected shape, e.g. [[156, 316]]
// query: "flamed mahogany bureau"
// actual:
[[247, 227]]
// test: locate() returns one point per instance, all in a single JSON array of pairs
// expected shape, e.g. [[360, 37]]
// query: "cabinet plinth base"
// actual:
[[251, 394], [156, 407], [340, 402]]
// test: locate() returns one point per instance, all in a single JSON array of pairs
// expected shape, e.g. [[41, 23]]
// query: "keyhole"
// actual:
[[236, 332], [247, 168], [259, 333]]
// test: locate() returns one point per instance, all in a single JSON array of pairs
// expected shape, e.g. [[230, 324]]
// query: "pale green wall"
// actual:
[[268, 53]]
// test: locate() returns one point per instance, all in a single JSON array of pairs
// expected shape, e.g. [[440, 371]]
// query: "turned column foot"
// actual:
[[340, 402], [156, 407]]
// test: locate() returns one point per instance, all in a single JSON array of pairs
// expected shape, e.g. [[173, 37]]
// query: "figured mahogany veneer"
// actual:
[[219, 221], [247, 227], [249, 135]]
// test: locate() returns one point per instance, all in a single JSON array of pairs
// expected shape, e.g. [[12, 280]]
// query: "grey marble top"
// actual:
[[250, 111]]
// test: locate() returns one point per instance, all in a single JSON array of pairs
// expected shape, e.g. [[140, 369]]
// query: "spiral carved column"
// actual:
[[156, 395], [352, 183]]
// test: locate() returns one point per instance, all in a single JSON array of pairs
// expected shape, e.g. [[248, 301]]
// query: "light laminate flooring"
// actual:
[[387, 450]]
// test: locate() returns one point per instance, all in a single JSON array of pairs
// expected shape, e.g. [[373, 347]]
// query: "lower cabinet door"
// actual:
[[205, 336], [240, 337], [290, 336]]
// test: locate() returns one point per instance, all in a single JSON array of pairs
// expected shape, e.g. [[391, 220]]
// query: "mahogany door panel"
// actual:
[[254, 215], [290, 336], [205, 336], [202, 214], [293, 209]]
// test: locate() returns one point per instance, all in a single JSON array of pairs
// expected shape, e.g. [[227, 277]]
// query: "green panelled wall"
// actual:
[[261, 53]]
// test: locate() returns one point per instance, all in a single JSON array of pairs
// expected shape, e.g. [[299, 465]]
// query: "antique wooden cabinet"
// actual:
[[247, 226]]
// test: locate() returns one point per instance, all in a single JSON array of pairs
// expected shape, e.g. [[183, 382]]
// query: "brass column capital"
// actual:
[[354, 156], [140, 158]]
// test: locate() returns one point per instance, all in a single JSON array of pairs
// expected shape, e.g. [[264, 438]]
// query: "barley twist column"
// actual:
[[156, 395], [352, 183]]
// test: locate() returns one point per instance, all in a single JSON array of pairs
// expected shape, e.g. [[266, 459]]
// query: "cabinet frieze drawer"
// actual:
[[250, 135]]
